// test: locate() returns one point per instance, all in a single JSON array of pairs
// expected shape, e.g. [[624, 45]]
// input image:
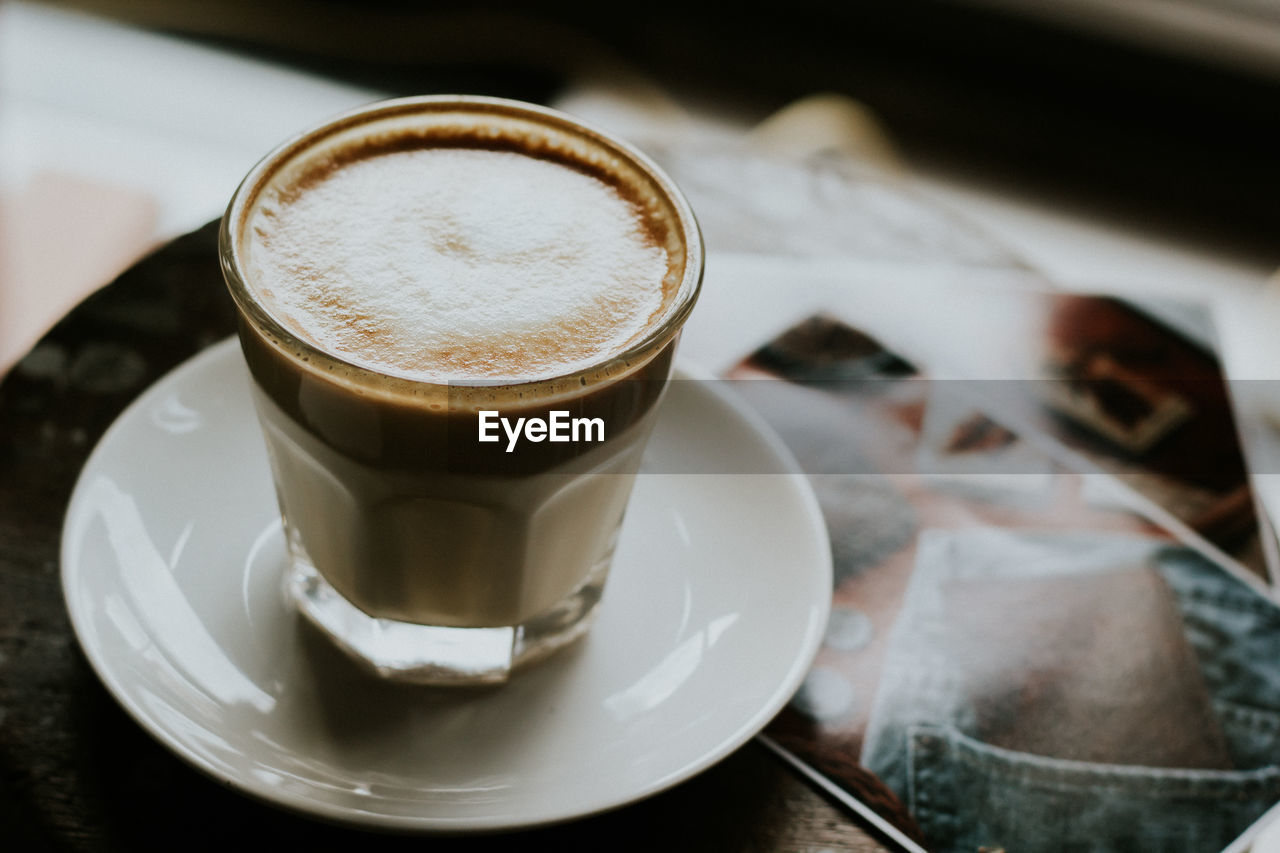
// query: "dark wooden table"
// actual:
[[76, 773]]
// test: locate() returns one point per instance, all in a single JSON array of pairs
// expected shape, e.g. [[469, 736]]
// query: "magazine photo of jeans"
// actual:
[[1018, 657], [1042, 693]]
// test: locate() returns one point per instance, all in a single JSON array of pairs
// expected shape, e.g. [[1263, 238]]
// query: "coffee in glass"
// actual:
[[459, 314]]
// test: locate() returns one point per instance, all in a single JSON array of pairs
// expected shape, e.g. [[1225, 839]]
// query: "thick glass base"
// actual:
[[430, 654]]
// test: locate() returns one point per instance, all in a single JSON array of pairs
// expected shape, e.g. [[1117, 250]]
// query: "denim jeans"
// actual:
[[924, 738]]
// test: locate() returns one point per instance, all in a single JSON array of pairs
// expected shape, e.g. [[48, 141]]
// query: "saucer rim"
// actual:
[[339, 815]]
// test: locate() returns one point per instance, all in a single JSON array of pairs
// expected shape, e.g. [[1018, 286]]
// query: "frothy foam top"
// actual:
[[456, 263]]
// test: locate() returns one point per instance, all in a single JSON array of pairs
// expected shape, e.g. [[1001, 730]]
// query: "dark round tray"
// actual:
[[77, 773]]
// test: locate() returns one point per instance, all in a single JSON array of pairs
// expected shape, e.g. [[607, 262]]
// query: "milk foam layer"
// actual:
[[454, 263]]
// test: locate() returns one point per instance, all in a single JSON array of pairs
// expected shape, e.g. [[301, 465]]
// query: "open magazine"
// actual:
[[1045, 636], [1052, 624]]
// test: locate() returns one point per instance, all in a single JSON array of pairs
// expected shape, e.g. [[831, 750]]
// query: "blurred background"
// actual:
[[1157, 116], [1102, 141], [1142, 109]]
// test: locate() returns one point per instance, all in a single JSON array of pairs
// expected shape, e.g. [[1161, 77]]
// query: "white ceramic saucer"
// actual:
[[171, 565]]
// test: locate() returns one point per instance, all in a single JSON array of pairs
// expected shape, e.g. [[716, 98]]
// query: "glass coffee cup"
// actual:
[[460, 315]]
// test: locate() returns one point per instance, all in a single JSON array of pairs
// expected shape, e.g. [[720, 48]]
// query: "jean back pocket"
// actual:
[[966, 794]]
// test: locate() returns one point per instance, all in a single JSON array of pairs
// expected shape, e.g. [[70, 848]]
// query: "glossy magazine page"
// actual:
[[1051, 626], [1021, 654]]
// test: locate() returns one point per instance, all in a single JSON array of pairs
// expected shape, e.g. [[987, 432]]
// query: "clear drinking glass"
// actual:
[[424, 554]]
